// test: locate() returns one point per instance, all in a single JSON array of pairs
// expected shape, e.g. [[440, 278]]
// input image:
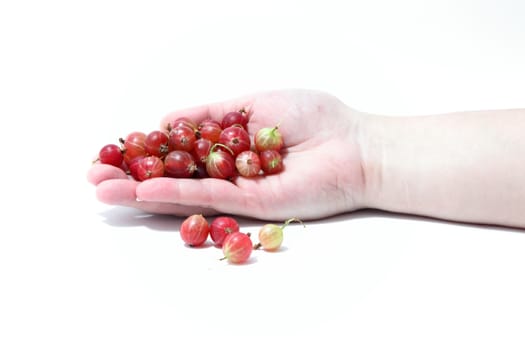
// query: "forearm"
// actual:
[[463, 166]]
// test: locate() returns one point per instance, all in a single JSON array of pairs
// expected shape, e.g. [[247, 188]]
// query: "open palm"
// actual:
[[323, 167]]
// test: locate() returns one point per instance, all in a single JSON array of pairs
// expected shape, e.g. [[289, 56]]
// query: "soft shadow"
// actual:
[[281, 249], [129, 217], [205, 245], [374, 213]]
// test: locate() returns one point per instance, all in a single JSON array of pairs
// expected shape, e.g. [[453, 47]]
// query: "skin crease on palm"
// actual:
[[323, 172]]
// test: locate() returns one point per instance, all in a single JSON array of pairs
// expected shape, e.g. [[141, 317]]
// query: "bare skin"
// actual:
[[463, 166], [322, 175]]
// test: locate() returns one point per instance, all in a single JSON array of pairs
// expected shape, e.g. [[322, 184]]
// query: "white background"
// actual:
[[77, 274]]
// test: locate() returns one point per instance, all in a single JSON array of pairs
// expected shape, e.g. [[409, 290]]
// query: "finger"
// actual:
[[123, 192], [117, 192], [102, 172], [215, 111], [220, 195]]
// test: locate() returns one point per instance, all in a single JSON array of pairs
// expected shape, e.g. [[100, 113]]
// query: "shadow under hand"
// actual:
[[129, 217], [375, 213]]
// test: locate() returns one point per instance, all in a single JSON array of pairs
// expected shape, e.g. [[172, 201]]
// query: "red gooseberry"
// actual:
[[248, 163], [179, 164], [235, 118], [134, 146], [156, 143], [221, 227], [184, 122], [271, 162], [201, 150], [220, 163], [111, 154], [194, 230], [181, 138], [148, 167], [237, 247], [210, 129], [236, 138]]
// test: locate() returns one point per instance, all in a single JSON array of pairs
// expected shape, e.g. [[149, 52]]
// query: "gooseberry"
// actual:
[[201, 150], [182, 138], [271, 235], [237, 247], [268, 139], [248, 163], [134, 146], [179, 164], [236, 138], [221, 227], [156, 143], [235, 118], [147, 168], [194, 230], [220, 163], [210, 129], [182, 121], [111, 154], [271, 162]]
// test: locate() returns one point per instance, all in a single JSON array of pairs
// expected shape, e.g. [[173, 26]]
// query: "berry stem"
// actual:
[[220, 145], [257, 246], [287, 222]]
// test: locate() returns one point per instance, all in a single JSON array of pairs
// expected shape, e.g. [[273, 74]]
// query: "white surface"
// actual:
[[77, 274]]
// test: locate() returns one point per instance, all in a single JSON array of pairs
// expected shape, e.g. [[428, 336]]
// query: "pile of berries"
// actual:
[[224, 232], [210, 148]]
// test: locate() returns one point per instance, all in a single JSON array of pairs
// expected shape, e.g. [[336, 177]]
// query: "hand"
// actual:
[[323, 172]]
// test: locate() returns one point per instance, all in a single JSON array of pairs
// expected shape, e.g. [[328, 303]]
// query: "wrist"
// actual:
[[376, 138], [362, 164]]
